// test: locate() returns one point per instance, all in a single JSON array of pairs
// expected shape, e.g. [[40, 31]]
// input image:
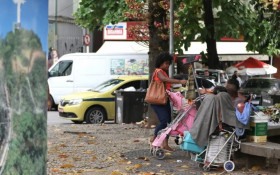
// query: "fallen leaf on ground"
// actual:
[[67, 166], [137, 166], [256, 168], [148, 173], [55, 170], [63, 156], [63, 145], [116, 173], [143, 158], [184, 166]]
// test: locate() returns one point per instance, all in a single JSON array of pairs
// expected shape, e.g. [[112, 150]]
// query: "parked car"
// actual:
[[98, 104], [78, 72], [257, 86], [219, 77]]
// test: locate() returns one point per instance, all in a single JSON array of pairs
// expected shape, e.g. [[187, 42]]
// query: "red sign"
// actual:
[[86, 40]]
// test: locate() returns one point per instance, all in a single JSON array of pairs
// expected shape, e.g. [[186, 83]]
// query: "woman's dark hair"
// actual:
[[232, 87], [161, 58]]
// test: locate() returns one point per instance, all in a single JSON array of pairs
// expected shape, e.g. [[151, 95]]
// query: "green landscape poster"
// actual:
[[23, 87]]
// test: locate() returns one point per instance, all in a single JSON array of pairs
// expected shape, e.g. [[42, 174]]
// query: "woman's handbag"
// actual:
[[156, 93]]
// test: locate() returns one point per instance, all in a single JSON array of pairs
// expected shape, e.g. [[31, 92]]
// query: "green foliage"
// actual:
[[264, 34], [24, 76], [233, 18], [92, 13]]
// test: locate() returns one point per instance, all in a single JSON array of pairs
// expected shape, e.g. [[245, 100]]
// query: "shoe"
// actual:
[[167, 149]]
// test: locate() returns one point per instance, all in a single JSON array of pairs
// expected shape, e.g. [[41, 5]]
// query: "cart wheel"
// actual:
[[206, 168], [229, 166], [199, 165], [159, 153]]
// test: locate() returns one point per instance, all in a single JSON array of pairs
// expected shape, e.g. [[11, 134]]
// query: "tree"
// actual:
[[205, 21], [265, 38]]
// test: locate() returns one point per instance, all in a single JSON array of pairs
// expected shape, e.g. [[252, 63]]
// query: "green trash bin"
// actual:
[[130, 106]]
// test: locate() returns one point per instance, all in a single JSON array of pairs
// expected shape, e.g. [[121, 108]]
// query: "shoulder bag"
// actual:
[[156, 92]]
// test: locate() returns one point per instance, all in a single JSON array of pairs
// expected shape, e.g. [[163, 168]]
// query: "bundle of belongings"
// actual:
[[214, 110]]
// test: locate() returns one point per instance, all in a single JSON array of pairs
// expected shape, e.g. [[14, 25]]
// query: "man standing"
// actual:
[[237, 77]]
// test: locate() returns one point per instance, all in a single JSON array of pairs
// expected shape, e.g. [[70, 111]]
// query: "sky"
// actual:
[[34, 16]]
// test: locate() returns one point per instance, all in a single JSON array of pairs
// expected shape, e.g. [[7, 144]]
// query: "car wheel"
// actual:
[[54, 106], [77, 122], [95, 115]]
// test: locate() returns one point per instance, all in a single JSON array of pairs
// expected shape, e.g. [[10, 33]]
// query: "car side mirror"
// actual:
[[114, 93]]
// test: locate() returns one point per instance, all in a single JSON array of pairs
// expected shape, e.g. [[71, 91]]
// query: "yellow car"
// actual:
[[98, 104]]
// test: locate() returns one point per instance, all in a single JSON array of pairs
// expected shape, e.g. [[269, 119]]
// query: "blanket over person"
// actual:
[[207, 117]]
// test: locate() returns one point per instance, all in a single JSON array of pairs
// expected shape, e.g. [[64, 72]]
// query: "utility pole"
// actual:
[[55, 26]]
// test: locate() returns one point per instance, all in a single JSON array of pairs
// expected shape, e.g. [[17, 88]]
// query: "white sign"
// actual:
[[115, 32]]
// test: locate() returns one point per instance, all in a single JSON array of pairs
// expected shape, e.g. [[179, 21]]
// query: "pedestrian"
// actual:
[[206, 73], [232, 87], [237, 77], [163, 112]]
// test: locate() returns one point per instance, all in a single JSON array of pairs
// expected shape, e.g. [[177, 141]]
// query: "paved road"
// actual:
[[53, 118]]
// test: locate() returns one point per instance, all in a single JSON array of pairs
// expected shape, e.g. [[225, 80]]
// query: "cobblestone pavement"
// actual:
[[120, 149]]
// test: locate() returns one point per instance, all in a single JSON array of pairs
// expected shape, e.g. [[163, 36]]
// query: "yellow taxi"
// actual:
[[98, 104]]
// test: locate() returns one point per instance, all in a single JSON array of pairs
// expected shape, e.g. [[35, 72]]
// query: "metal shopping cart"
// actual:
[[217, 153]]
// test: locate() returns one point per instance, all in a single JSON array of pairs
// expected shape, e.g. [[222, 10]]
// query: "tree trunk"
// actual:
[[157, 44], [213, 59]]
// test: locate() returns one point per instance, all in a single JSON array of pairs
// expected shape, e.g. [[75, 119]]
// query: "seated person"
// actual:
[[215, 109]]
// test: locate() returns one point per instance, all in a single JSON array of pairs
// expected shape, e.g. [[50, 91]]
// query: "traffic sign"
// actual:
[[86, 39]]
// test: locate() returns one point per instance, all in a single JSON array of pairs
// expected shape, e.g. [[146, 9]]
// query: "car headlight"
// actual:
[[75, 101]]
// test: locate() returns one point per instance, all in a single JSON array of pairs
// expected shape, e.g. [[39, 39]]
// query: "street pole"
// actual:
[[56, 36], [171, 37], [271, 62]]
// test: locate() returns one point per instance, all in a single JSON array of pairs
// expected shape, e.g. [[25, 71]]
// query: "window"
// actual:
[[136, 84], [63, 68]]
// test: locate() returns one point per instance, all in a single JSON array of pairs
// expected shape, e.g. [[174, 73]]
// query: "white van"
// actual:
[[82, 71]]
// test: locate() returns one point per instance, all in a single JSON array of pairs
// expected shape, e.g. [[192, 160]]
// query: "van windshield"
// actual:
[[107, 85]]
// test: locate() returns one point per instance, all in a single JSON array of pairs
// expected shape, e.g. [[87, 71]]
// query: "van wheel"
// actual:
[[95, 115], [54, 106]]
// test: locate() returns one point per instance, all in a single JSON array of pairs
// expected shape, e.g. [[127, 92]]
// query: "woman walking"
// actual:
[[163, 112]]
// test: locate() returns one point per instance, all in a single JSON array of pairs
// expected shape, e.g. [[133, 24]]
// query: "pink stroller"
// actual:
[[182, 122]]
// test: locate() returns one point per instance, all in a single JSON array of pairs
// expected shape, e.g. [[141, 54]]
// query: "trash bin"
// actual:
[[129, 106]]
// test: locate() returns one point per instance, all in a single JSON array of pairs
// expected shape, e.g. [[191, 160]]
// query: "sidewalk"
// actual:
[[122, 149]]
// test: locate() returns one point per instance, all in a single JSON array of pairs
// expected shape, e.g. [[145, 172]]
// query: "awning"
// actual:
[[227, 51], [123, 47], [242, 57]]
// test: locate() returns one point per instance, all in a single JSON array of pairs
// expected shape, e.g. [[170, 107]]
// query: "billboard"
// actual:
[[23, 86]]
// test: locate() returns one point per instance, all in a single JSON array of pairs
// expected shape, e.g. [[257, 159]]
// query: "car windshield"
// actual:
[[259, 83], [107, 85], [212, 75]]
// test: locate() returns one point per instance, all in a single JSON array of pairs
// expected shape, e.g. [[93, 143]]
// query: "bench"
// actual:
[[268, 150]]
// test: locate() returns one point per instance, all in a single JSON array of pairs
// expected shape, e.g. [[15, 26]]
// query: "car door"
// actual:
[[61, 79]]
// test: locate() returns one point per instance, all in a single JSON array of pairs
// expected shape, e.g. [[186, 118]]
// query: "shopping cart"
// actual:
[[217, 153]]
